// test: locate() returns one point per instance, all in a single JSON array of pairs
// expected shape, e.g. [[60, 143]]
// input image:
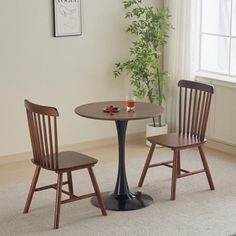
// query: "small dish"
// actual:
[[111, 108]]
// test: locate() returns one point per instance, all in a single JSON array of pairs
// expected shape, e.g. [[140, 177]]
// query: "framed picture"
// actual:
[[67, 17]]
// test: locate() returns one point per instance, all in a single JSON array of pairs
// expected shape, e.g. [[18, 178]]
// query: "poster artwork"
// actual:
[[67, 17]]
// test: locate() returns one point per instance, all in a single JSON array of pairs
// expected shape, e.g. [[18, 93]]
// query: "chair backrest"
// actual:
[[42, 122], [194, 107]]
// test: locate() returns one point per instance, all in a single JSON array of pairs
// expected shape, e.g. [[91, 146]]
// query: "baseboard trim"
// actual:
[[76, 146], [222, 147], [211, 143]]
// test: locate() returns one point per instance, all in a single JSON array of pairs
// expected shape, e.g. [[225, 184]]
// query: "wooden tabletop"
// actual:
[[96, 111]]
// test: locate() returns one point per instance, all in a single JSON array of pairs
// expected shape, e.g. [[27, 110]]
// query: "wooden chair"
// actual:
[[42, 123], [194, 106]]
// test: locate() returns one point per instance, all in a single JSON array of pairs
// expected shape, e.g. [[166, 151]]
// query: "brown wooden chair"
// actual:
[[42, 123], [194, 106]]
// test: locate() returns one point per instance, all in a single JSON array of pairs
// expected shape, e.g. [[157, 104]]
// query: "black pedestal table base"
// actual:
[[122, 199], [133, 201]]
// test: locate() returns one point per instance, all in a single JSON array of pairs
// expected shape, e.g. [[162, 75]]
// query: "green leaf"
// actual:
[[150, 28]]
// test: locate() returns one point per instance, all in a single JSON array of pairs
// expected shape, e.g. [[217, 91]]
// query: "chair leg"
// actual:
[[174, 174], [70, 184], [58, 201], [97, 191], [207, 170], [32, 189], [146, 165], [178, 163]]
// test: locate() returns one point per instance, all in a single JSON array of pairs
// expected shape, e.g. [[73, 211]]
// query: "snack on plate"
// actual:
[[111, 109]]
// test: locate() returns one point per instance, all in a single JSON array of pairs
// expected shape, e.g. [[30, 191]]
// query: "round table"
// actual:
[[121, 199]]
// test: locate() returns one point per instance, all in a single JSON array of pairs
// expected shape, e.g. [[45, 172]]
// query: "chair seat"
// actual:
[[175, 140], [73, 160]]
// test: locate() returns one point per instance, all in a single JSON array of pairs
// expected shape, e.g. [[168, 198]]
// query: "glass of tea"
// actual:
[[130, 103]]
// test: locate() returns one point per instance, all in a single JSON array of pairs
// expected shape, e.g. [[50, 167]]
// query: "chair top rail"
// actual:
[[44, 110], [196, 85]]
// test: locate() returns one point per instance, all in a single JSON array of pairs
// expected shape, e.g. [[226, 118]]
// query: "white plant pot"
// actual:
[[152, 131]]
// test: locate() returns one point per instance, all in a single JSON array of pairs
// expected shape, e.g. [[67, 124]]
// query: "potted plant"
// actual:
[[150, 26]]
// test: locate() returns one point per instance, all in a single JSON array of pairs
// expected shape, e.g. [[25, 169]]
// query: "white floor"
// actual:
[[196, 211]]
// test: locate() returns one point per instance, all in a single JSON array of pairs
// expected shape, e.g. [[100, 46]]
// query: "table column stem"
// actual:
[[122, 188]]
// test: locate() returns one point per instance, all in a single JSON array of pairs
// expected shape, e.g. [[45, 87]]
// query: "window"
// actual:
[[218, 37]]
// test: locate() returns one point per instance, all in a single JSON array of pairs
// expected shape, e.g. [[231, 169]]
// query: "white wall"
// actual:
[[221, 124], [63, 72]]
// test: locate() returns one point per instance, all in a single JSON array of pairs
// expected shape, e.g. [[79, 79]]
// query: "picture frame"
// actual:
[[67, 18]]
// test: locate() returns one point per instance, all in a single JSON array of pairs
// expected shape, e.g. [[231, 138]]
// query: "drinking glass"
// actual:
[[130, 103]]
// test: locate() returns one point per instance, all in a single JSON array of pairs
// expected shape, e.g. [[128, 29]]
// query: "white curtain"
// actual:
[[179, 53]]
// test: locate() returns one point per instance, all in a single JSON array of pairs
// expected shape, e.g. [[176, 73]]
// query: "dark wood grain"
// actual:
[[42, 122], [194, 107], [142, 111]]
